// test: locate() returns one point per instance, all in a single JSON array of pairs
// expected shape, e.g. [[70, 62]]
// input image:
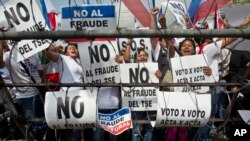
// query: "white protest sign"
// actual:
[[19, 15], [189, 69], [72, 109], [183, 109], [89, 17], [135, 44], [178, 9], [236, 16], [139, 98], [98, 60], [116, 122]]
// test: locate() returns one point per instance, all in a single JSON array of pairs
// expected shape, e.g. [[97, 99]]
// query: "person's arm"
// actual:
[[167, 42], [2, 64], [52, 53], [158, 74], [153, 12], [42, 76], [126, 55], [227, 41]]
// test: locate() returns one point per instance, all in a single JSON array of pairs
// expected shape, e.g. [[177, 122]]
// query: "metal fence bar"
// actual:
[[125, 33], [119, 84]]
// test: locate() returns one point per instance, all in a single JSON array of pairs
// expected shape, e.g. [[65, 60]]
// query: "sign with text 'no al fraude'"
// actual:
[[101, 17]]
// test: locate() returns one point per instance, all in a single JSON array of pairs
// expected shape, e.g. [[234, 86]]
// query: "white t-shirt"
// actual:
[[108, 98], [212, 50], [19, 75], [70, 71], [213, 55]]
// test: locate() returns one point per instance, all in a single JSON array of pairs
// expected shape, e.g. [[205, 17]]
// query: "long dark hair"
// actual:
[[182, 42]]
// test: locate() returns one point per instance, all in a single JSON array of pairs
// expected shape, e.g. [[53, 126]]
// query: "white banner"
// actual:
[[183, 109], [139, 98], [89, 17], [135, 44], [21, 16], [189, 69], [179, 11], [98, 60], [72, 109]]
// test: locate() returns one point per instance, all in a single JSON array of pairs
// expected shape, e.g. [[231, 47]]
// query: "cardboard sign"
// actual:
[[117, 122], [98, 60], [101, 17], [135, 44], [139, 98], [19, 15], [189, 69], [72, 109], [183, 109]]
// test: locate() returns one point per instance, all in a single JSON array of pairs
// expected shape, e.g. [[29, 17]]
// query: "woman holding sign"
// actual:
[[186, 48], [70, 71], [142, 57]]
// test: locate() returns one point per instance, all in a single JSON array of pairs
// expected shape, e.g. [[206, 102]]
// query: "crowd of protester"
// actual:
[[65, 59]]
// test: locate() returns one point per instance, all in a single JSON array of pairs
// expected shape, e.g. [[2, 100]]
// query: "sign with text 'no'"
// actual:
[[19, 15], [72, 109], [101, 17], [98, 61], [139, 98]]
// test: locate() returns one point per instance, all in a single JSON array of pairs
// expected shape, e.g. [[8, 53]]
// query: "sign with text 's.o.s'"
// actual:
[[20, 17], [98, 61], [72, 109], [139, 98], [183, 109], [89, 17], [189, 69], [135, 44]]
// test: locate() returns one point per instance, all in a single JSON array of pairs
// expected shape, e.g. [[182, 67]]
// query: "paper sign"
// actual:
[[183, 109], [135, 44], [189, 69], [19, 15], [98, 60], [139, 98], [72, 109], [245, 115]]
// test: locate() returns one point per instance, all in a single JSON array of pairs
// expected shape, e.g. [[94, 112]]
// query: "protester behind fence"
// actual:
[[28, 99], [186, 48], [141, 57], [70, 71]]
